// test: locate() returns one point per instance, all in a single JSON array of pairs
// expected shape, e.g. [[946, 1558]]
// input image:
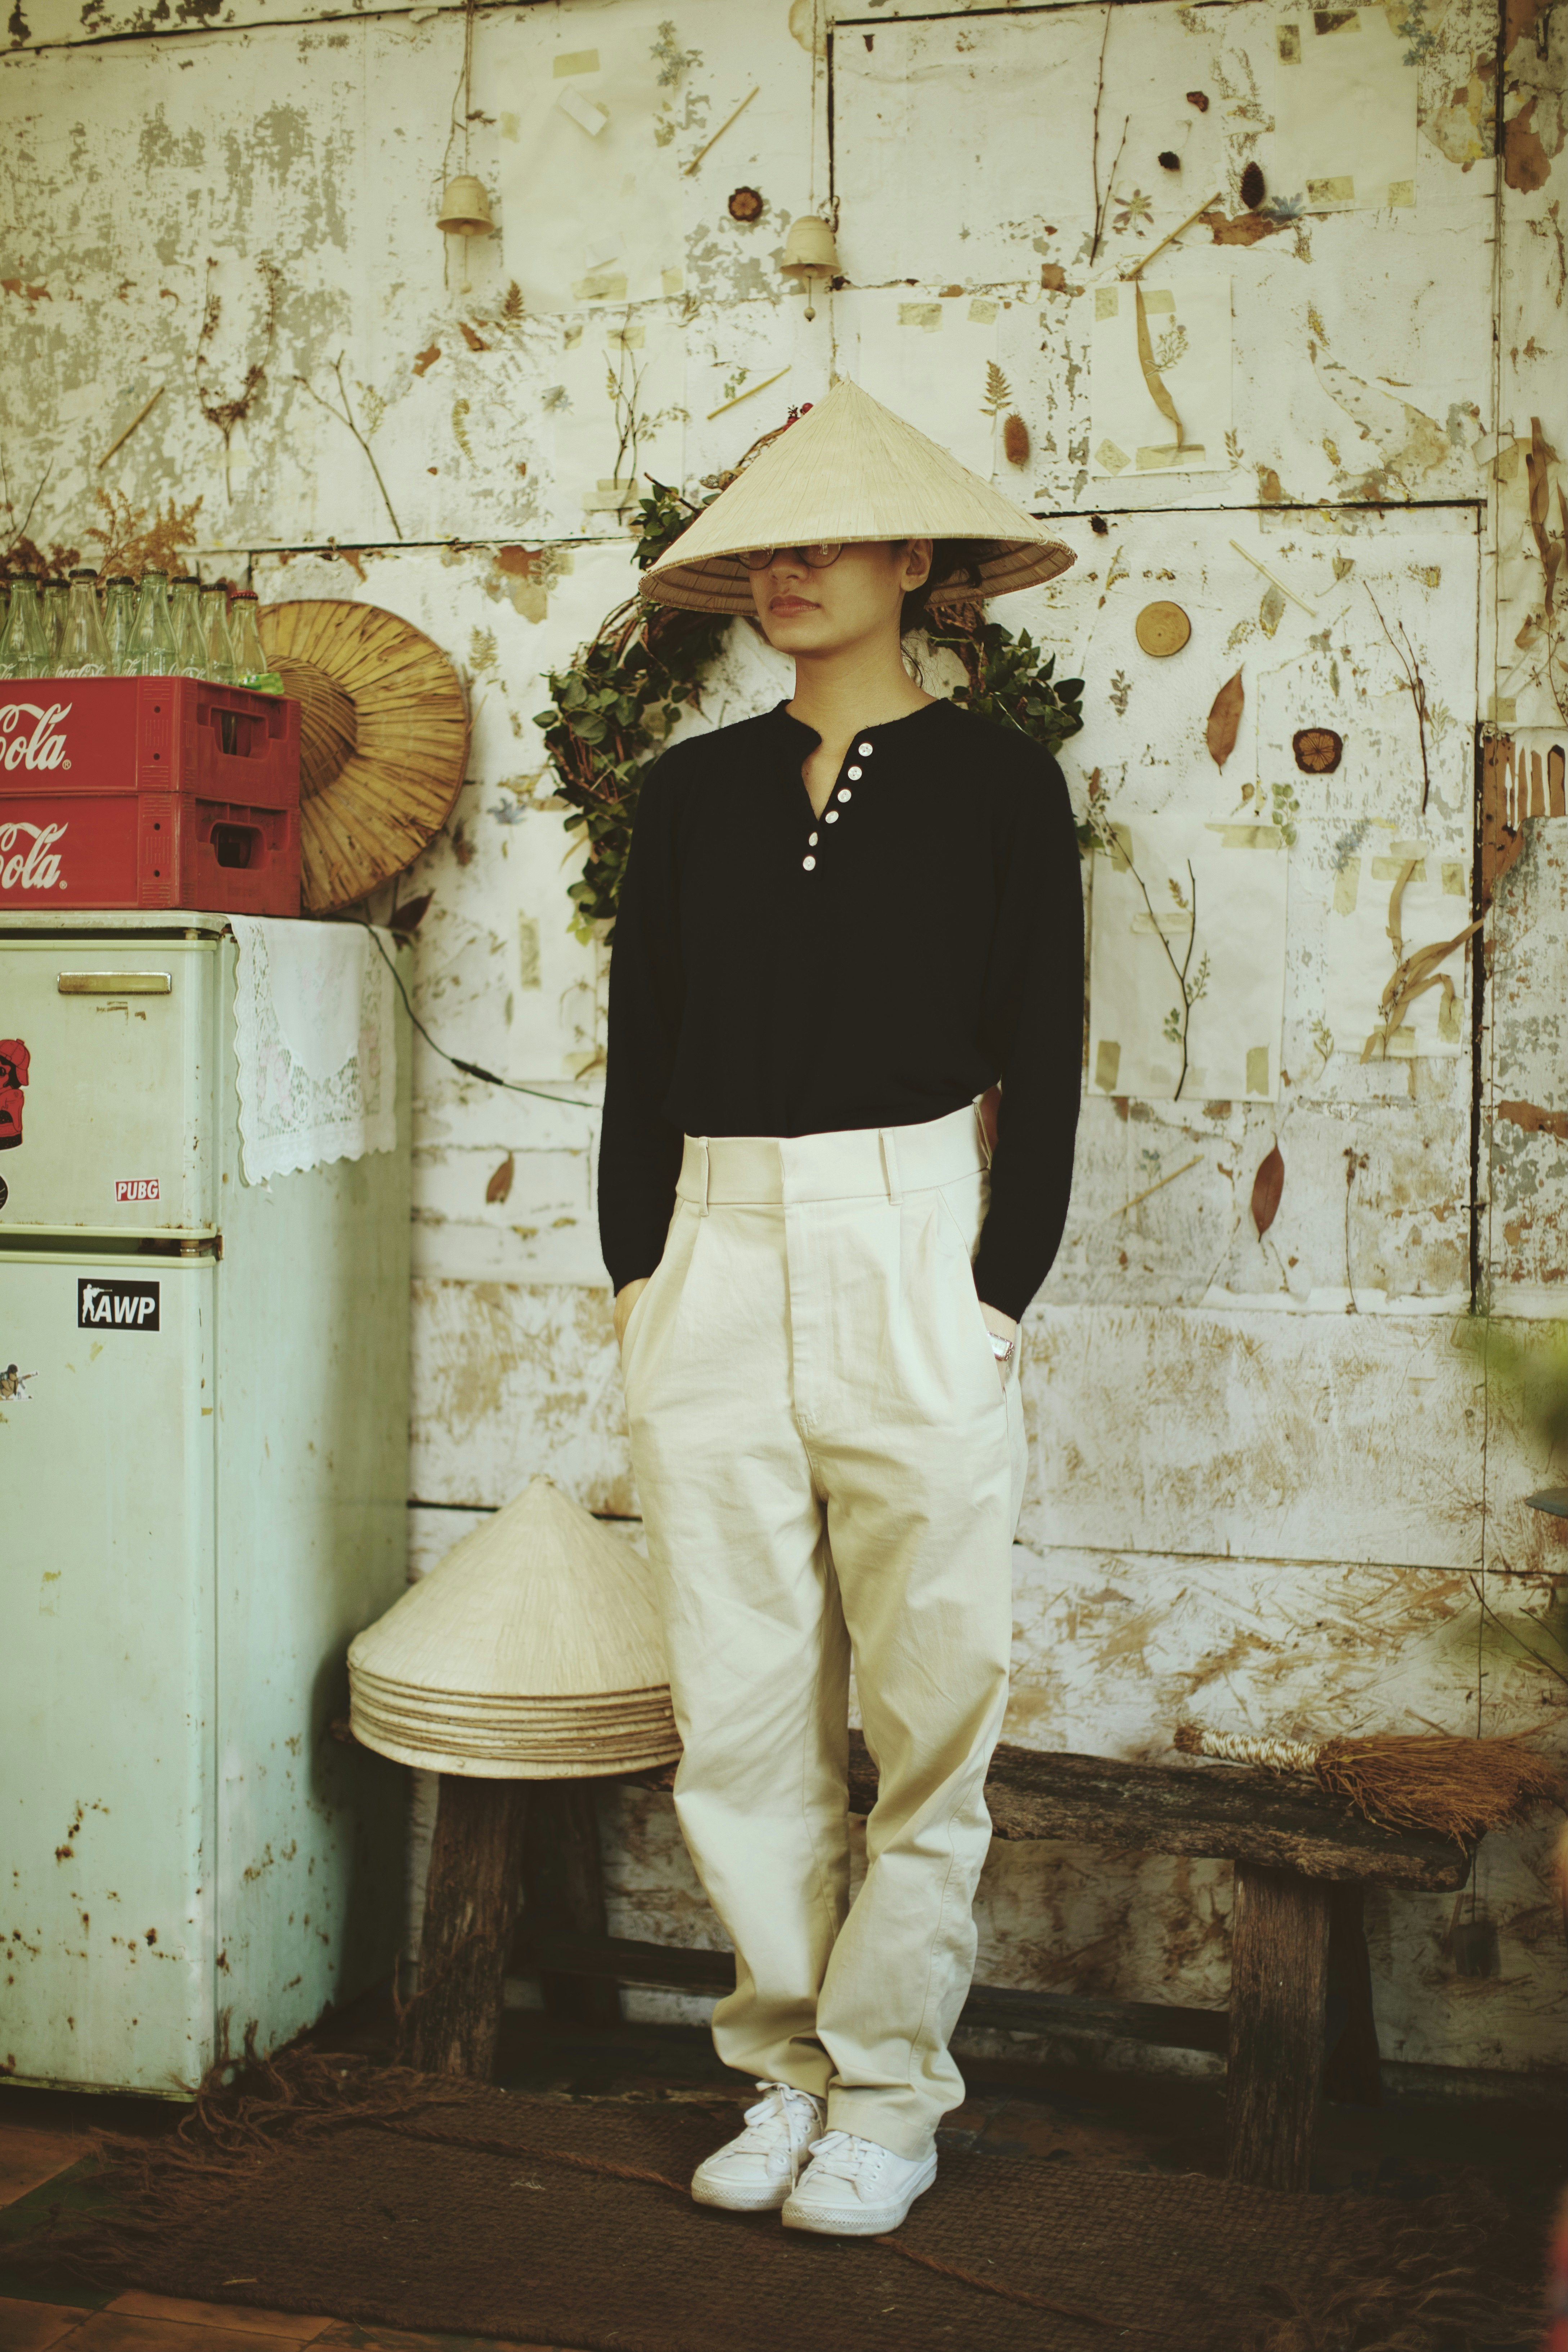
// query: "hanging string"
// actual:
[[469, 1069]]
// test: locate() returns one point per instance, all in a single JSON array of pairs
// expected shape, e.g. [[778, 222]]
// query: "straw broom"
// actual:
[[1459, 1788]]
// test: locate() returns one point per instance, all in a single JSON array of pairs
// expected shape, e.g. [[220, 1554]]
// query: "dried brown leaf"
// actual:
[[1224, 719], [475, 343], [1015, 441], [499, 1186], [428, 358], [1267, 1186]]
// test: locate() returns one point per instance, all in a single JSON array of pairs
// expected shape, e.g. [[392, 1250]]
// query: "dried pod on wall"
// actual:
[[1317, 749], [745, 204], [1266, 1187], [1170, 161], [1098, 525], [1200, 98], [1252, 186], [499, 1186], [1015, 441]]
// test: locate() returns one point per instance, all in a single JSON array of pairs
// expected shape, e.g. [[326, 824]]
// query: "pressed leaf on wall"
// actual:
[[499, 1186], [1266, 1187], [1015, 441], [1151, 376], [1224, 719]]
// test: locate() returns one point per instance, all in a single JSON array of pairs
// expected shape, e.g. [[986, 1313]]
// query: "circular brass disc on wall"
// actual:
[[1162, 629], [384, 740]]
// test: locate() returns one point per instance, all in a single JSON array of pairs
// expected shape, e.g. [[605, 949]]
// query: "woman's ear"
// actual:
[[917, 558]]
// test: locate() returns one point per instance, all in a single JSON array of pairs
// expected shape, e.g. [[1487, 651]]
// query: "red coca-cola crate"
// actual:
[[148, 791]]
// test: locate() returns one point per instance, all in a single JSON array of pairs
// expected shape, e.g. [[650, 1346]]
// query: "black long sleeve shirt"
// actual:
[[775, 973]]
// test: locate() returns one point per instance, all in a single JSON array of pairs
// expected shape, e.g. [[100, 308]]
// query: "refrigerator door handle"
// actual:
[[114, 983]]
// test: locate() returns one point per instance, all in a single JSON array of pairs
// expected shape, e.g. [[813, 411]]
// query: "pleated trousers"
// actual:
[[831, 1469]]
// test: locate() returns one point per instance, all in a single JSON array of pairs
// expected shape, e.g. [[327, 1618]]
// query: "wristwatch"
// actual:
[[1002, 1349]]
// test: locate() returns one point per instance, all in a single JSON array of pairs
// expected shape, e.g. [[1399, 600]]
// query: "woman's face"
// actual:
[[850, 602]]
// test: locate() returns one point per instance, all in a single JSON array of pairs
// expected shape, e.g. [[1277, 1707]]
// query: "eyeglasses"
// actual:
[[815, 557]]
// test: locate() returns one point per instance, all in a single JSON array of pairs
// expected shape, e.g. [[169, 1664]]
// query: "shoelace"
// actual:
[[844, 2154], [773, 2113]]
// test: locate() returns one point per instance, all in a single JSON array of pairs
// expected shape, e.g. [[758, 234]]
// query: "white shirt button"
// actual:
[[831, 818], [844, 792], [854, 775], [811, 841], [864, 750], [808, 863]]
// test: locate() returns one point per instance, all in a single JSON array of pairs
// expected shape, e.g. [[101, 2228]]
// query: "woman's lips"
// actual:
[[791, 605]]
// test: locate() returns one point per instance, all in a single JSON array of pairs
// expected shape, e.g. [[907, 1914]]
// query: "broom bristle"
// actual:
[[1459, 1788], [1189, 1739]]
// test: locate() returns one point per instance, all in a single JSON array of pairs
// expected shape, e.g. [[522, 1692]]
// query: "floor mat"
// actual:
[[372, 2194]]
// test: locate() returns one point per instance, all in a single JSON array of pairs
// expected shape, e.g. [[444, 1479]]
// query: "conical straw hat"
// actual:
[[540, 1601], [850, 469], [384, 740]]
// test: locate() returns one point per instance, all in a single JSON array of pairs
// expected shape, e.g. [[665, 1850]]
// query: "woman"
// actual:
[[841, 924]]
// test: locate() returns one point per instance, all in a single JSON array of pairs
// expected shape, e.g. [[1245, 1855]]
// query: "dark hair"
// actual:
[[952, 559]]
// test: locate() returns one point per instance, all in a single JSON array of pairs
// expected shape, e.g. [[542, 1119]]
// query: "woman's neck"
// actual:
[[862, 686]]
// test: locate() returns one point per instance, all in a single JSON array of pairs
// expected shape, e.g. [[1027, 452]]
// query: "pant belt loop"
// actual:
[[707, 1164], [889, 1165], [984, 1138]]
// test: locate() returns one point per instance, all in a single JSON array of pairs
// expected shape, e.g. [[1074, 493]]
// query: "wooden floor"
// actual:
[[1408, 2148]]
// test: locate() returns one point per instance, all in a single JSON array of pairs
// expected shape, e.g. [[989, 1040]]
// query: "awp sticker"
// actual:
[[119, 1306]]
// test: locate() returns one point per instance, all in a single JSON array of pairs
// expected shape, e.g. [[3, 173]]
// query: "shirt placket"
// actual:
[[838, 805]]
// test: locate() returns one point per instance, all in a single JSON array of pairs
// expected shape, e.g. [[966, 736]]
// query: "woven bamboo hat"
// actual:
[[850, 469], [532, 1651], [384, 740]]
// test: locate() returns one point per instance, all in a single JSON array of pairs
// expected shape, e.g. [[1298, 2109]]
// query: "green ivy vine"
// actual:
[[611, 711]]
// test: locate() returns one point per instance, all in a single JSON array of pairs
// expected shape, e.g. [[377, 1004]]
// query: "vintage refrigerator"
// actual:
[[204, 1412]]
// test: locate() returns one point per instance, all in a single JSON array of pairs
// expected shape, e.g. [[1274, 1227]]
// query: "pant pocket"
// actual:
[[961, 1212]]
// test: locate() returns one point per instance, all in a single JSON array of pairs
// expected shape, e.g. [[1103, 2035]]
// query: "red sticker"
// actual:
[[136, 1188], [13, 1063]]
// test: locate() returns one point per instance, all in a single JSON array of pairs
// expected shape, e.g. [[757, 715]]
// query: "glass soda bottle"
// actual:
[[119, 619], [84, 648], [218, 660], [185, 620], [151, 652], [250, 664], [54, 617], [24, 648]]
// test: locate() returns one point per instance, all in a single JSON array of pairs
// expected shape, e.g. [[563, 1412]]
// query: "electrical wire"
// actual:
[[470, 1069]]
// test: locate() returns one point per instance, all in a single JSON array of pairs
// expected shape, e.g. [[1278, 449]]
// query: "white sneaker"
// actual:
[[854, 2188], [755, 2171]]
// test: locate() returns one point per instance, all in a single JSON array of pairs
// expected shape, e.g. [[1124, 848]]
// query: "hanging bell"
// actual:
[[810, 253], [466, 208]]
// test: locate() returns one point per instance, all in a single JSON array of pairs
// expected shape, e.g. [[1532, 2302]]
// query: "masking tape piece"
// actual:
[[1258, 1069], [1248, 836], [1107, 301], [1347, 882], [982, 313], [925, 315], [602, 286], [1107, 1062], [575, 61], [1159, 459], [582, 110], [1112, 458], [1158, 298], [1389, 869], [673, 280], [1455, 882]]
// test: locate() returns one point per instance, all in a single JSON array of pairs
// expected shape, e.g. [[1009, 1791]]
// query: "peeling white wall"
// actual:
[[1271, 1483]]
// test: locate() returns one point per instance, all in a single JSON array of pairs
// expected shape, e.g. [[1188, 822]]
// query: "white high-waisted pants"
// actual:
[[831, 1466]]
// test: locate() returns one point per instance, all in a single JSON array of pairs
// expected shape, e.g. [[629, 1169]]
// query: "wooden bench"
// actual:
[[1301, 1989]]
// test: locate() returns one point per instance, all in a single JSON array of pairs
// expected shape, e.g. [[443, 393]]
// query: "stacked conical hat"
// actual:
[[533, 1653], [850, 469]]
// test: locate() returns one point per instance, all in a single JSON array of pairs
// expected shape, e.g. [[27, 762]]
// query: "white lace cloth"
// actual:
[[316, 1044]]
